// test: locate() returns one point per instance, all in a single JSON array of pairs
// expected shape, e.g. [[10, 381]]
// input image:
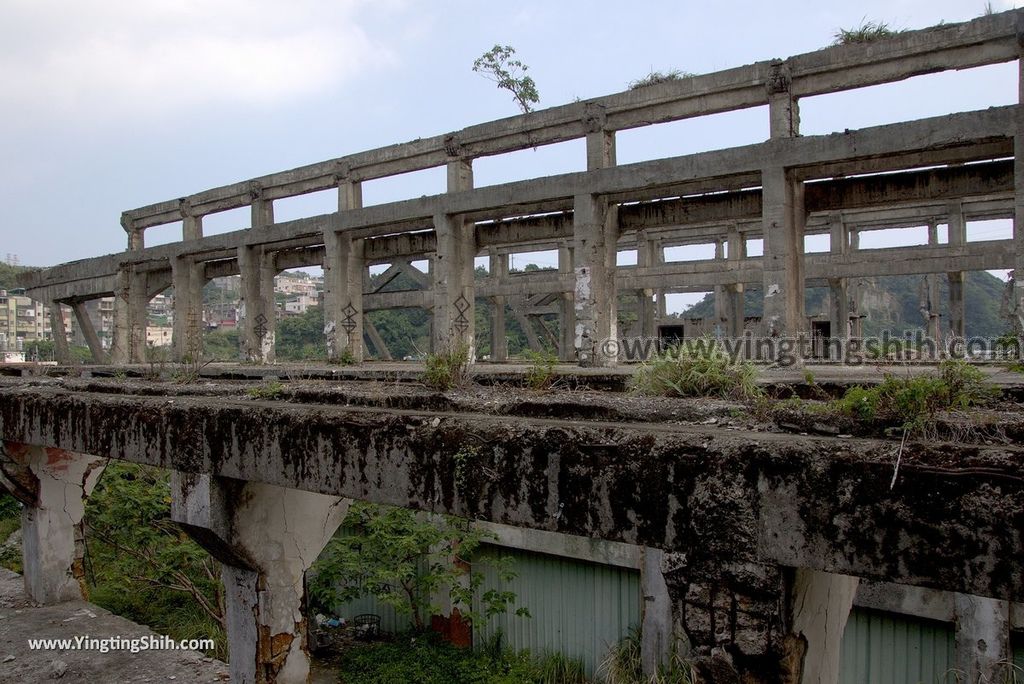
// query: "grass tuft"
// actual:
[[700, 369], [448, 369], [656, 77], [866, 32]]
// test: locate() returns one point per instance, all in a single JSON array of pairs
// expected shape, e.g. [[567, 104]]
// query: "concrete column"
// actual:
[[61, 350], [821, 604], [595, 228], [567, 309], [452, 271], [657, 631], [982, 646], [957, 310], [89, 332], [188, 279], [1017, 300], [258, 310], [130, 317], [343, 295], [266, 537], [734, 313], [262, 208], [783, 108], [52, 484], [191, 225], [499, 340], [136, 236], [783, 218], [600, 149], [839, 294]]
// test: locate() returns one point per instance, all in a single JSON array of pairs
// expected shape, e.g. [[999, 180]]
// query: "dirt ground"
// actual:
[[20, 620]]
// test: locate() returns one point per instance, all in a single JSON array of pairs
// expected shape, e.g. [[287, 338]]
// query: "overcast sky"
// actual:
[[113, 104]]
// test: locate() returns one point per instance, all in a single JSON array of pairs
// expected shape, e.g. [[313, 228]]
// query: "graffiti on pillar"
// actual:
[[461, 322], [260, 329]]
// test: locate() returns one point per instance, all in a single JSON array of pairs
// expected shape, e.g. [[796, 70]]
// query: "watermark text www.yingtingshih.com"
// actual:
[[787, 351]]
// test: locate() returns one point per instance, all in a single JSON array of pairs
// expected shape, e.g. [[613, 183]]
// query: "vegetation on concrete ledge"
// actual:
[[656, 77], [498, 65], [913, 402], [447, 369], [268, 390], [540, 375], [697, 368], [866, 32]]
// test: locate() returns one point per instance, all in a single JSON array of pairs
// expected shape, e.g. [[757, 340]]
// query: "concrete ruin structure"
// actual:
[[754, 543]]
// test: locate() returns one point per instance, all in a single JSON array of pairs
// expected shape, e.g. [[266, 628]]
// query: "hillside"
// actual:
[[896, 304]]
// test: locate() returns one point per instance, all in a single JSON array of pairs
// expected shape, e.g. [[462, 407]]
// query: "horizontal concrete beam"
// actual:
[[986, 40], [717, 496]]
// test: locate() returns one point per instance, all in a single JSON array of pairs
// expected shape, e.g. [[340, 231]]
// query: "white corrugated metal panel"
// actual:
[[884, 648], [577, 608]]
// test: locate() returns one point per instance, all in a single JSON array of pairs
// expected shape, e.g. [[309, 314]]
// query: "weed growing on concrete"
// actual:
[[345, 358], [867, 32], [498, 65], [541, 373], [912, 402], [464, 459], [268, 390], [447, 369], [656, 77], [706, 372]]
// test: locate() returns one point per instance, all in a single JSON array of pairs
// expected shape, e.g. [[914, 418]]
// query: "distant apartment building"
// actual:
[[296, 306], [22, 320], [298, 283]]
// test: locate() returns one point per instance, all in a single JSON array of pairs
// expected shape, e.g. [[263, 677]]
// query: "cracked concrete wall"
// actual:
[[53, 484], [821, 604]]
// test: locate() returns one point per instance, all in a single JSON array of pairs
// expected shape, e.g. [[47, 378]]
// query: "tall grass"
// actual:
[[697, 370]]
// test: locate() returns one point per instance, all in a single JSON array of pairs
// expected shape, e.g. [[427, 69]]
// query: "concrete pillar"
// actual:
[[343, 295], [258, 309], [61, 350], [783, 218], [783, 108], [821, 604], [982, 643], [838, 308], [262, 208], [136, 236], [344, 269], [191, 225], [52, 484], [1017, 300], [657, 631], [266, 537], [452, 271], [89, 332], [130, 317], [595, 229], [188, 279], [567, 310], [498, 268], [957, 310]]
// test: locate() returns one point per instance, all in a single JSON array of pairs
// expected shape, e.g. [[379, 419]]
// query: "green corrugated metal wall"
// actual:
[[577, 608], [883, 648]]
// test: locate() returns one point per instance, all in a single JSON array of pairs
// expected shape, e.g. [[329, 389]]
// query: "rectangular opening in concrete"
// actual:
[[684, 303], [689, 136], [163, 234], [303, 206], [914, 98], [625, 257], [482, 262], [549, 160], [815, 244], [525, 262], [885, 238], [405, 186], [296, 293], [755, 247], [227, 221], [702, 252], [404, 331], [988, 230]]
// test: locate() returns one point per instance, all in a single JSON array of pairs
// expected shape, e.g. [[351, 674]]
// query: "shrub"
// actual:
[[269, 389], [541, 373], [447, 369], [698, 369]]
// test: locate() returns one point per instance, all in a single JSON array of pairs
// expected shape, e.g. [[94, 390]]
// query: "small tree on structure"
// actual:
[[498, 65]]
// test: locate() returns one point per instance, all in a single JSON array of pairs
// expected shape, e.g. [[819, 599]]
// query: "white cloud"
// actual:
[[95, 58]]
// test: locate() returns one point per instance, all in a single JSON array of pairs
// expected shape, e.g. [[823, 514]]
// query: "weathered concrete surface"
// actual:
[[954, 520], [21, 620]]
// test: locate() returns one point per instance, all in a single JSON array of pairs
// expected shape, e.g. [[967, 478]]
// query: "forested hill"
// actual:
[[8, 273], [893, 302]]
